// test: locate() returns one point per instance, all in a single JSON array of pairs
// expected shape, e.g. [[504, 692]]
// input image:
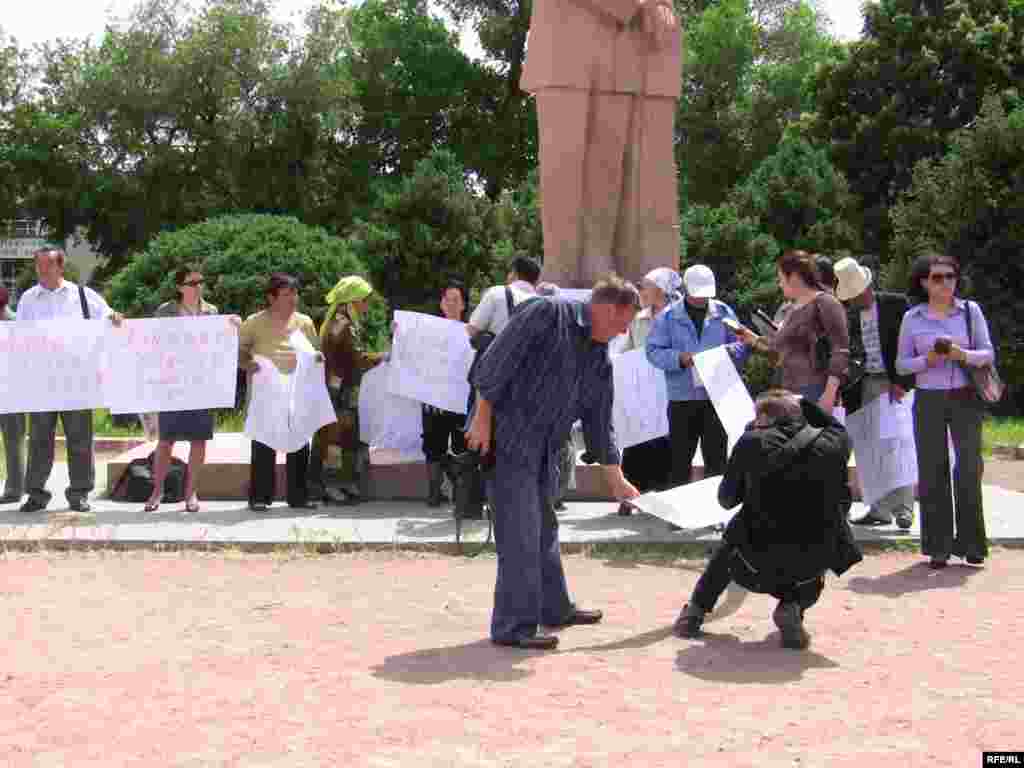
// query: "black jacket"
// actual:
[[793, 523], [891, 308]]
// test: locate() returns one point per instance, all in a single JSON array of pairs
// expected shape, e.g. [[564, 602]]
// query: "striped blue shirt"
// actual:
[[541, 374]]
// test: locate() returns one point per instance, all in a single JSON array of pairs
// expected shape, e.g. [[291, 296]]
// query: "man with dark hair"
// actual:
[[492, 313], [268, 333], [874, 321], [55, 298], [788, 470], [549, 369]]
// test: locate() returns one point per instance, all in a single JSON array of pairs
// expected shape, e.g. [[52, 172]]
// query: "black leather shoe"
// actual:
[[971, 560], [10, 498], [790, 620], [32, 505], [535, 643], [258, 506], [579, 616], [625, 510], [82, 505], [689, 623], [937, 562], [309, 504], [869, 519]]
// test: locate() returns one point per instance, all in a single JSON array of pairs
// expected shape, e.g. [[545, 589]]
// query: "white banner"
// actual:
[[388, 421], [883, 463], [172, 364], [430, 360], [693, 507], [286, 410], [727, 392], [52, 365], [640, 410]]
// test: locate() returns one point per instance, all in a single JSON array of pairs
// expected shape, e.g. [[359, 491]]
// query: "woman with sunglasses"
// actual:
[[194, 426], [936, 348]]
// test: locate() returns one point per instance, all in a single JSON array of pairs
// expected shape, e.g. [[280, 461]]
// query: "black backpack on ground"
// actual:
[[136, 483]]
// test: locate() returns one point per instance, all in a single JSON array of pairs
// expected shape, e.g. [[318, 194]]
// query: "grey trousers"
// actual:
[[945, 531], [81, 466], [13, 427], [890, 504]]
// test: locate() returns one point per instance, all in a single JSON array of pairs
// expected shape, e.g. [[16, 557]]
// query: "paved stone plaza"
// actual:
[[399, 523]]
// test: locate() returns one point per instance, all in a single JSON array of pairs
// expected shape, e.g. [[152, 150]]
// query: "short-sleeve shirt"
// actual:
[[177, 309], [64, 302], [491, 314], [258, 336]]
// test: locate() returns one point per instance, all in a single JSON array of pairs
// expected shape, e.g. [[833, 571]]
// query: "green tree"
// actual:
[[919, 73], [415, 91], [423, 229], [236, 254], [970, 203], [793, 199], [747, 75], [502, 27]]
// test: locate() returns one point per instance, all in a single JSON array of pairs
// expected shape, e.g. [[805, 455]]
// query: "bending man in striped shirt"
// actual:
[[547, 369]]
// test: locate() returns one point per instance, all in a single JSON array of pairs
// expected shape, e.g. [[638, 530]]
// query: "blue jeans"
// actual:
[[530, 588]]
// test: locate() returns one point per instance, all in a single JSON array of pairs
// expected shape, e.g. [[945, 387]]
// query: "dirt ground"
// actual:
[[143, 659]]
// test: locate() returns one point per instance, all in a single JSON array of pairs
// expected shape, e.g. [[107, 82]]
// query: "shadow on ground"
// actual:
[[725, 658], [480, 660], [914, 578]]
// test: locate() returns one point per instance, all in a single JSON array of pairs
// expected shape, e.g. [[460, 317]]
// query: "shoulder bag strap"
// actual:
[[509, 301], [85, 304]]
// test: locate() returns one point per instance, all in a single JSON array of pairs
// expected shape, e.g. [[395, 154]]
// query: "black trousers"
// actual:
[[261, 475], [648, 465], [690, 421], [716, 578], [441, 428]]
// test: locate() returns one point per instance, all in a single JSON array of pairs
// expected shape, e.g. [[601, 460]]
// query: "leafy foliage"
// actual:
[[236, 254], [919, 74], [970, 204], [422, 230]]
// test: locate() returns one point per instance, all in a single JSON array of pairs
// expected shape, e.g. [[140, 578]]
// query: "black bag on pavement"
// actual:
[[136, 483]]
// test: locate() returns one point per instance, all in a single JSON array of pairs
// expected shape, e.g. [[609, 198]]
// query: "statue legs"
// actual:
[[607, 184]]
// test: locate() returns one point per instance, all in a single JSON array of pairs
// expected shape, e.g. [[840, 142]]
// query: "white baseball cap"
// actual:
[[699, 282]]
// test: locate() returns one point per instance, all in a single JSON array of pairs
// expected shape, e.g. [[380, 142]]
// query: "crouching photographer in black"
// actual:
[[789, 471]]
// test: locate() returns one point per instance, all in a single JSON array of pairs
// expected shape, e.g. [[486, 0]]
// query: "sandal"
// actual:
[[152, 507], [192, 505]]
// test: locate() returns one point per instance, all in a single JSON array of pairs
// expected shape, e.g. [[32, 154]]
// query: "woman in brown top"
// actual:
[[814, 314]]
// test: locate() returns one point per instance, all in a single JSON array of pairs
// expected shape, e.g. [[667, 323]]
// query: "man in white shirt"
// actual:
[[54, 298], [491, 314]]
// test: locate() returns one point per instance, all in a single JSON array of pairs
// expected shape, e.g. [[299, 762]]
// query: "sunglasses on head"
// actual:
[[193, 283], [938, 277]]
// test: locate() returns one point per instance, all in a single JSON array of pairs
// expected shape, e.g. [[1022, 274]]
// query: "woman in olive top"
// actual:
[[814, 314], [194, 426], [268, 334]]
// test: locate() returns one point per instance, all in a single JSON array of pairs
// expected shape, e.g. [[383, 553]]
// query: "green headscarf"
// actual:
[[348, 289]]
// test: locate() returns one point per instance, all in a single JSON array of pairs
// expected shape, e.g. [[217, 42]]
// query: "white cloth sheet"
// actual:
[[286, 410], [389, 422]]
